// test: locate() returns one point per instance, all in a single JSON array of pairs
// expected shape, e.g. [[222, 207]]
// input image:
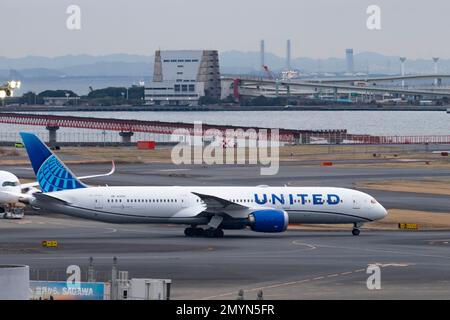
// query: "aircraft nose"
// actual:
[[381, 212]]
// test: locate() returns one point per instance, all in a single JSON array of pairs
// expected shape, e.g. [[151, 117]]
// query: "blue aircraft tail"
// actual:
[[51, 174]]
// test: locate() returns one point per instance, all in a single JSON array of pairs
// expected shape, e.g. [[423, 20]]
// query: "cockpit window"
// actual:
[[10, 184]]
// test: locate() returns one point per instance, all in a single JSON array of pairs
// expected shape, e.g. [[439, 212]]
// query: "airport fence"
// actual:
[[85, 136]]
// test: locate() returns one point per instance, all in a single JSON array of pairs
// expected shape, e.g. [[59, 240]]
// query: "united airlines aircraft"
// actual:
[[207, 211]]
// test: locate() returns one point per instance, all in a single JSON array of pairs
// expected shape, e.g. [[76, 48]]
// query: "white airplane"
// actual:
[[11, 191], [262, 208]]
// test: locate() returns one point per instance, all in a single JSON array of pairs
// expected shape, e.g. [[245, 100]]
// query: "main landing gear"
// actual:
[[200, 232], [356, 230]]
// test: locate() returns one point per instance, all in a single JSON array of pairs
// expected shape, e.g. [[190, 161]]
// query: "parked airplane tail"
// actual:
[[51, 173]]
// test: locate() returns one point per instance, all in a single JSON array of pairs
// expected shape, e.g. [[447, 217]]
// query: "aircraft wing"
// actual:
[[219, 205], [113, 169], [36, 184]]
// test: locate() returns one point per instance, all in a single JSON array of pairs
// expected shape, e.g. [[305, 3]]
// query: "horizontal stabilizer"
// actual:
[[42, 197]]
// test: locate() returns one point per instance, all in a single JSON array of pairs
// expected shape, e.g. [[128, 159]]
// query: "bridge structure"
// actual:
[[127, 128], [254, 86]]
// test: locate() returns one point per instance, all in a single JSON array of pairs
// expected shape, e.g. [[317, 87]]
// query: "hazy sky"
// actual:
[[317, 28]]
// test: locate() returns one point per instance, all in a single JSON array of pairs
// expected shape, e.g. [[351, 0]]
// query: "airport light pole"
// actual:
[[7, 90]]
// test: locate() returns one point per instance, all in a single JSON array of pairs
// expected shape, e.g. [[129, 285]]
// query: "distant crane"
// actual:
[[277, 81], [269, 73]]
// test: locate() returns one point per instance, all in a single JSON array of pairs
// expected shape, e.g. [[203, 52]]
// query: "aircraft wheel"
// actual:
[[189, 232], [218, 233], [210, 233], [199, 232], [355, 232]]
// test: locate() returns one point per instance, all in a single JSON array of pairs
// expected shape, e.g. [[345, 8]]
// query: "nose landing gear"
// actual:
[[356, 230]]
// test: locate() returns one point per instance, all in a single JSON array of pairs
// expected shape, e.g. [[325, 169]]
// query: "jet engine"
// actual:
[[268, 220]]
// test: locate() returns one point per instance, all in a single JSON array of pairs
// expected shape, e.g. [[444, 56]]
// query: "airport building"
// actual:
[[181, 77]]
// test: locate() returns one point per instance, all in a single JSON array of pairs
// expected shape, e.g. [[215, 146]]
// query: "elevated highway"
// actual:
[[253, 85]]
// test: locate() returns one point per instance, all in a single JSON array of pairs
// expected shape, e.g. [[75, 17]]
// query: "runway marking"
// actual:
[[310, 246], [257, 289], [317, 246], [382, 251], [278, 285], [392, 264], [438, 241], [284, 284], [332, 275]]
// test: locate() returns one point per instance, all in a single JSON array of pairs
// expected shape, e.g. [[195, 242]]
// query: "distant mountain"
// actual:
[[68, 61], [110, 69], [232, 62]]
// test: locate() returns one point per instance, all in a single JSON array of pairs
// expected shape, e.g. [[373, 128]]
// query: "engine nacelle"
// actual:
[[9, 188], [268, 220]]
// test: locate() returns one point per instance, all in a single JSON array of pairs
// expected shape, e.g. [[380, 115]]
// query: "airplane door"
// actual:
[[98, 201], [184, 200], [356, 203]]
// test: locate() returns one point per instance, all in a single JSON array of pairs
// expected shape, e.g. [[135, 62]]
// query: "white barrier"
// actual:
[[14, 282]]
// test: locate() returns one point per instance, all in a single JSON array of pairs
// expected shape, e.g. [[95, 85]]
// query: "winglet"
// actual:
[[113, 169]]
